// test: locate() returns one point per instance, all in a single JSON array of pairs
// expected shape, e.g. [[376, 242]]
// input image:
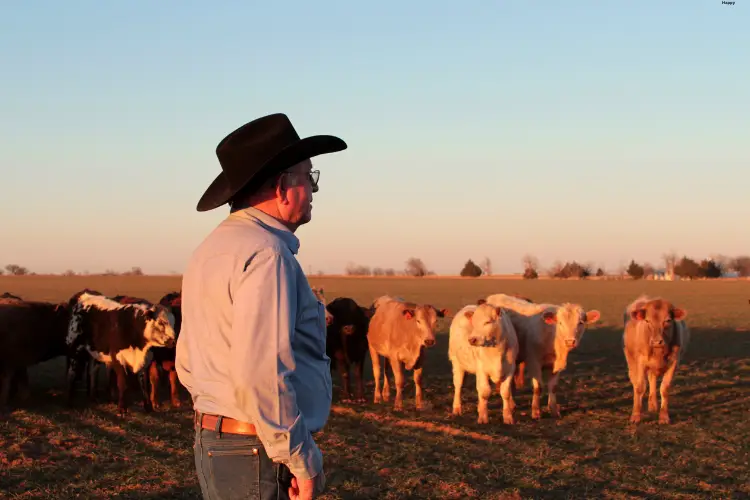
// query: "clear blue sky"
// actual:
[[586, 130]]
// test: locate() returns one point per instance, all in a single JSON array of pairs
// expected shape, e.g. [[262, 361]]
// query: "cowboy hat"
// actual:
[[258, 150]]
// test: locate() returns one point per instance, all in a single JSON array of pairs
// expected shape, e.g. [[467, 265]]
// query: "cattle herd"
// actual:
[[500, 338]]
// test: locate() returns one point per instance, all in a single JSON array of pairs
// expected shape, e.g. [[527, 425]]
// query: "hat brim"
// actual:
[[220, 191]]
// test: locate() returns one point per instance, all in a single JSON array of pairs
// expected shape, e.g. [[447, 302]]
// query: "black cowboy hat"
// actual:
[[258, 150]]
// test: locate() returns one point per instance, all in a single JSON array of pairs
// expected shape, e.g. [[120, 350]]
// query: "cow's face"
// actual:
[[425, 317], [570, 322], [486, 327], [657, 318], [159, 329]]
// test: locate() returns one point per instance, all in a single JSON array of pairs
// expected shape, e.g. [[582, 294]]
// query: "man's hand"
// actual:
[[307, 489]]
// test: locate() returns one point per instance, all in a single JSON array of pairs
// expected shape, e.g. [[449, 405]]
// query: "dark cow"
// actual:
[[346, 342], [164, 357], [30, 333], [119, 335]]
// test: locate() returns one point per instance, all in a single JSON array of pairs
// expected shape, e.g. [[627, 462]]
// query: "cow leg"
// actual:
[[638, 379], [359, 369], [483, 396], [174, 388], [535, 372], [386, 384], [375, 358], [76, 366], [652, 401], [458, 382], [554, 408], [509, 406], [144, 382], [111, 375], [343, 368], [92, 380], [398, 378], [122, 387], [666, 383], [153, 375], [418, 396]]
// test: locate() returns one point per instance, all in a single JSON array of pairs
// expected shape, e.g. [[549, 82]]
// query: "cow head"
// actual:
[[425, 316], [570, 321], [657, 318], [159, 330], [486, 327]]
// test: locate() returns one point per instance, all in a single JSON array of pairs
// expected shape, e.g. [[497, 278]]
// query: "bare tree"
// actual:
[[555, 271], [415, 267], [530, 262], [486, 266], [670, 261], [357, 270], [16, 270]]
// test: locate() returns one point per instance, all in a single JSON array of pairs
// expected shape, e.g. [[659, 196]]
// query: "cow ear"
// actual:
[[440, 312], [499, 311], [679, 314], [469, 315], [481, 301], [550, 317], [408, 313], [444, 312], [638, 314], [592, 316]]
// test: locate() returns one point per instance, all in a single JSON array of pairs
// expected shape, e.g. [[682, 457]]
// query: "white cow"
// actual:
[[483, 342], [546, 333]]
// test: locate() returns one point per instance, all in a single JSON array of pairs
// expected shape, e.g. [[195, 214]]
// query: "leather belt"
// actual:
[[228, 425]]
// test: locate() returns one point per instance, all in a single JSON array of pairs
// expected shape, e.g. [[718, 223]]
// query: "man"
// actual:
[[252, 350]]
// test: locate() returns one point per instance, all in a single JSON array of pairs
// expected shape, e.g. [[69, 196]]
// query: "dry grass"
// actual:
[[47, 451]]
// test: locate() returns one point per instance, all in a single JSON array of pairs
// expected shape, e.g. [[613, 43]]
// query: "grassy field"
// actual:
[[370, 451]]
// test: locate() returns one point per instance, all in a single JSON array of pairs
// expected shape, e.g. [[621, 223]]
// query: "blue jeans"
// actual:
[[235, 466]]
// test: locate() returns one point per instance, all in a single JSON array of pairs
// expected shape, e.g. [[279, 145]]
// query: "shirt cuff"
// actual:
[[308, 462]]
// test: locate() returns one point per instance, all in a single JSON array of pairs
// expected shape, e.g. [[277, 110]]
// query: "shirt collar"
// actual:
[[270, 224]]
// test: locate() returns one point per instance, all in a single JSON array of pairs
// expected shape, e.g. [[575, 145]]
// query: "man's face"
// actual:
[[296, 194]]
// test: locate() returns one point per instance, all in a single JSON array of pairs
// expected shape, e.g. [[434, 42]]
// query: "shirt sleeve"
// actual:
[[261, 361]]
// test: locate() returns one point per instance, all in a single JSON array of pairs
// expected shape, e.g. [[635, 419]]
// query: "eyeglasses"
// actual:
[[313, 176]]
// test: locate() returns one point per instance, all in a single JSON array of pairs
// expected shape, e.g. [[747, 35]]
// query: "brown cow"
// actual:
[[164, 357], [30, 333], [400, 331], [655, 338]]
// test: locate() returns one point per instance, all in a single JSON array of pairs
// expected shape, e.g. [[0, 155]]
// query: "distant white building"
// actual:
[[665, 275]]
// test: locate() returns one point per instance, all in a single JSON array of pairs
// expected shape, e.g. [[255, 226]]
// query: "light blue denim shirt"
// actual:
[[253, 340]]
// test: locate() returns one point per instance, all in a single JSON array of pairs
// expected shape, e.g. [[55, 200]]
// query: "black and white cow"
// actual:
[[118, 335]]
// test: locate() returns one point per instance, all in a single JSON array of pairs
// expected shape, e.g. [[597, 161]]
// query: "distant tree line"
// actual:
[[683, 267], [16, 270]]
